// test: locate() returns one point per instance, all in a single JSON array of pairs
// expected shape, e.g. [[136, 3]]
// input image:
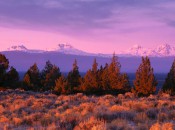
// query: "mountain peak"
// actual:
[[165, 49], [65, 46], [136, 50], [69, 49], [161, 50], [136, 46], [17, 48], [165, 46]]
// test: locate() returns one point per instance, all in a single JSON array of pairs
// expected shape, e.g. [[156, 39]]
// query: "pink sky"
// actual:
[[48, 40], [92, 26]]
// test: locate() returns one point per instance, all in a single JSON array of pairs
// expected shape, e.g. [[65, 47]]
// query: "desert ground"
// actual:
[[26, 110]]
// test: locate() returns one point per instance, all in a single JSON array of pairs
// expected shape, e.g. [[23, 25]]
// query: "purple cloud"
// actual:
[[88, 17]]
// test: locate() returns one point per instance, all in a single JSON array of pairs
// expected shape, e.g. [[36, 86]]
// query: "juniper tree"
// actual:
[[91, 79], [12, 78], [100, 73], [26, 81], [105, 82], [114, 73], [145, 82], [4, 65], [47, 68], [61, 85], [73, 78], [169, 85], [32, 78], [48, 76], [124, 84]]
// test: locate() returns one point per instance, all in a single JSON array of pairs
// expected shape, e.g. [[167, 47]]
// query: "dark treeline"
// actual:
[[98, 80]]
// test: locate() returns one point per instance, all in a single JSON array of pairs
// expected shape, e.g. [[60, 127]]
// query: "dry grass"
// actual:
[[22, 110]]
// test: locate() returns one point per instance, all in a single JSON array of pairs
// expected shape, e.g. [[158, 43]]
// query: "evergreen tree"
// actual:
[[95, 66], [12, 78], [48, 67], [61, 85], [51, 77], [4, 65], [73, 78], [124, 85], [114, 73], [91, 79], [169, 85], [49, 74], [112, 80], [145, 82], [100, 78], [27, 81], [32, 78], [105, 82]]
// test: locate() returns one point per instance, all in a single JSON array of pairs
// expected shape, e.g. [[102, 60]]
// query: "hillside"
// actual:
[[27, 110], [64, 54], [23, 60]]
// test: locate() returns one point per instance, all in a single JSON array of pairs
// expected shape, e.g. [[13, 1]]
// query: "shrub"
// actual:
[[119, 124], [91, 124], [165, 126], [152, 113]]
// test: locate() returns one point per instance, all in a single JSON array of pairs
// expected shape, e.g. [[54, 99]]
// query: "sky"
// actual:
[[99, 26]]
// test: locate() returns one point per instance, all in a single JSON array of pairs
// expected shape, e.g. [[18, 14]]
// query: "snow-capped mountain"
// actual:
[[17, 48], [61, 48], [22, 58], [69, 49], [160, 51], [22, 48], [163, 50], [136, 50]]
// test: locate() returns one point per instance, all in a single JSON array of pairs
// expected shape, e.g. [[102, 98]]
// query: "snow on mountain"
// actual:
[[23, 49], [160, 51], [69, 49], [17, 48], [137, 50], [165, 50], [65, 46], [61, 48]]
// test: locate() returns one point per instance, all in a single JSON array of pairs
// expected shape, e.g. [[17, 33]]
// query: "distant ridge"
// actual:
[[69, 49], [61, 48], [22, 60], [22, 48], [163, 50]]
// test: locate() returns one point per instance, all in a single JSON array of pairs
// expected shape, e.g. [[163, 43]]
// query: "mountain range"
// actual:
[[64, 55], [61, 48], [162, 50]]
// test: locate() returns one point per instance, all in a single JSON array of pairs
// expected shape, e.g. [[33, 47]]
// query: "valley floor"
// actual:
[[30, 110]]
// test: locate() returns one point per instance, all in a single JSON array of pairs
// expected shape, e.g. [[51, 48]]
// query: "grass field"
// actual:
[[30, 110]]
